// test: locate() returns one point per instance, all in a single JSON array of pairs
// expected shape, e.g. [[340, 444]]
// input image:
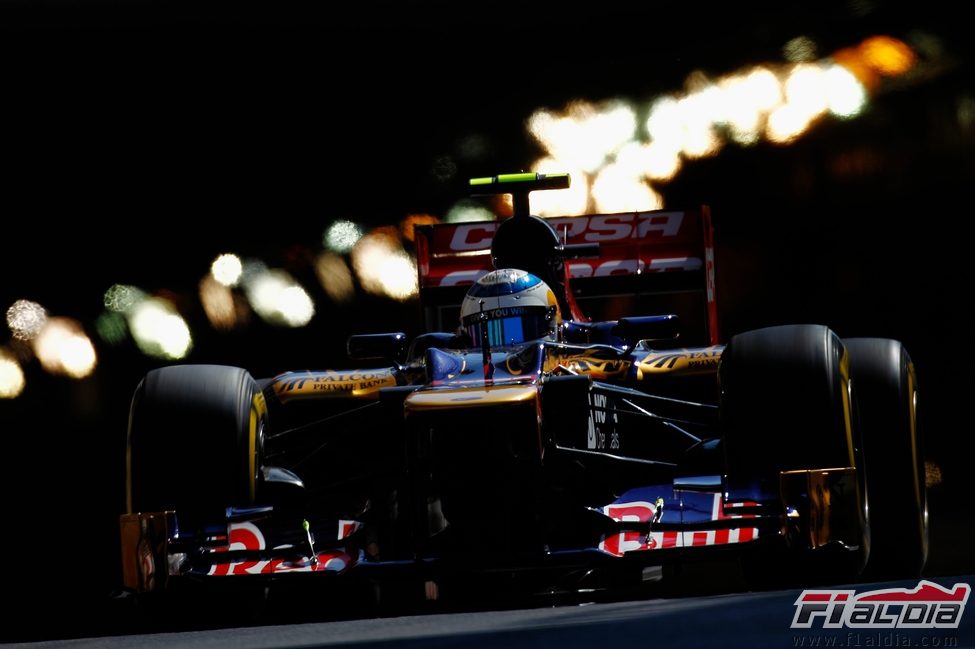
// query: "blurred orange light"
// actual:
[[887, 55], [218, 303], [62, 347], [410, 222], [335, 277], [771, 102]]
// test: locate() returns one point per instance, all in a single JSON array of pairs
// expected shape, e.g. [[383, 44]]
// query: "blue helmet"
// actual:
[[510, 306]]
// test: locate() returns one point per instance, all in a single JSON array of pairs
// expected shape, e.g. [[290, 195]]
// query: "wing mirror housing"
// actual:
[[390, 347], [649, 327]]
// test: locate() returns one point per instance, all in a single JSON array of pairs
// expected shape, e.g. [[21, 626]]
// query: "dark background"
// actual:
[[142, 139]]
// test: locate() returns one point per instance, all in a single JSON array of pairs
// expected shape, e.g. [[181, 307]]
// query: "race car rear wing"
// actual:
[[655, 262]]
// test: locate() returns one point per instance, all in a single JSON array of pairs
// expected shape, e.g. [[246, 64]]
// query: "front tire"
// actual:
[[785, 401], [195, 439], [786, 406]]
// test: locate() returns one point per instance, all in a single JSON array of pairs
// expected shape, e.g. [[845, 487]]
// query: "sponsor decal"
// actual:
[[620, 227], [687, 361], [645, 512], [581, 268], [603, 433], [595, 228], [501, 312], [584, 362], [338, 383], [927, 606], [632, 266], [248, 536], [634, 243], [635, 541], [473, 236], [242, 536]]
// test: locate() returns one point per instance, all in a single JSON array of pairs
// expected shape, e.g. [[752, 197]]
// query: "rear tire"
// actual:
[[195, 440], [886, 392]]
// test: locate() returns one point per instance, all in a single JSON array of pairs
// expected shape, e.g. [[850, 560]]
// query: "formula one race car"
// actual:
[[525, 442]]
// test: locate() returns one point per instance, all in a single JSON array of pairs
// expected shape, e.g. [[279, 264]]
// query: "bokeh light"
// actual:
[[407, 226], [227, 269], [664, 123], [805, 90], [776, 102], [561, 202], [383, 267], [699, 112], [799, 49], [278, 299], [335, 277], [26, 319], [586, 134], [62, 347], [845, 95], [159, 330], [12, 380], [341, 236], [467, 210], [122, 297], [218, 302], [887, 55], [111, 327], [655, 161], [617, 189], [786, 123], [746, 99], [763, 88]]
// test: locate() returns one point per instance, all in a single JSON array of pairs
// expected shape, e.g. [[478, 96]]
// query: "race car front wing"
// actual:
[[650, 525]]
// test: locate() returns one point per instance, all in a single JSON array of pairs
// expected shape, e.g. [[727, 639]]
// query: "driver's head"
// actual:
[[512, 306]]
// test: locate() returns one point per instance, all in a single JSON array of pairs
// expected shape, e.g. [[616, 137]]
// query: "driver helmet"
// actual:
[[510, 306]]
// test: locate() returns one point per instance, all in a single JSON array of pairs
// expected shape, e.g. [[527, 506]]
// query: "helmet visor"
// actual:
[[511, 330]]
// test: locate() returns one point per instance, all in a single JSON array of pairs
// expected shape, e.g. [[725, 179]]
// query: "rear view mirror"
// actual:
[[389, 346], [650, 327]]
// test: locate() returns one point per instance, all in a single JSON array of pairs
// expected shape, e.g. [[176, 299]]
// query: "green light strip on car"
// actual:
[[514, 178], [518, 178]]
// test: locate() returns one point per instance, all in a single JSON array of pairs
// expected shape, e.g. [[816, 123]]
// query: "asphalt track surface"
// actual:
[[750, 619]]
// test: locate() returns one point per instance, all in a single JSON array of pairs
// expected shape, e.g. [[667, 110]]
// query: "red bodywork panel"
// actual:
[[639, 246]]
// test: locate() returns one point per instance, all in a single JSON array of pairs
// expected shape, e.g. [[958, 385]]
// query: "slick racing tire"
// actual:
[[786, 405], [195, 439], [886, 393]]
